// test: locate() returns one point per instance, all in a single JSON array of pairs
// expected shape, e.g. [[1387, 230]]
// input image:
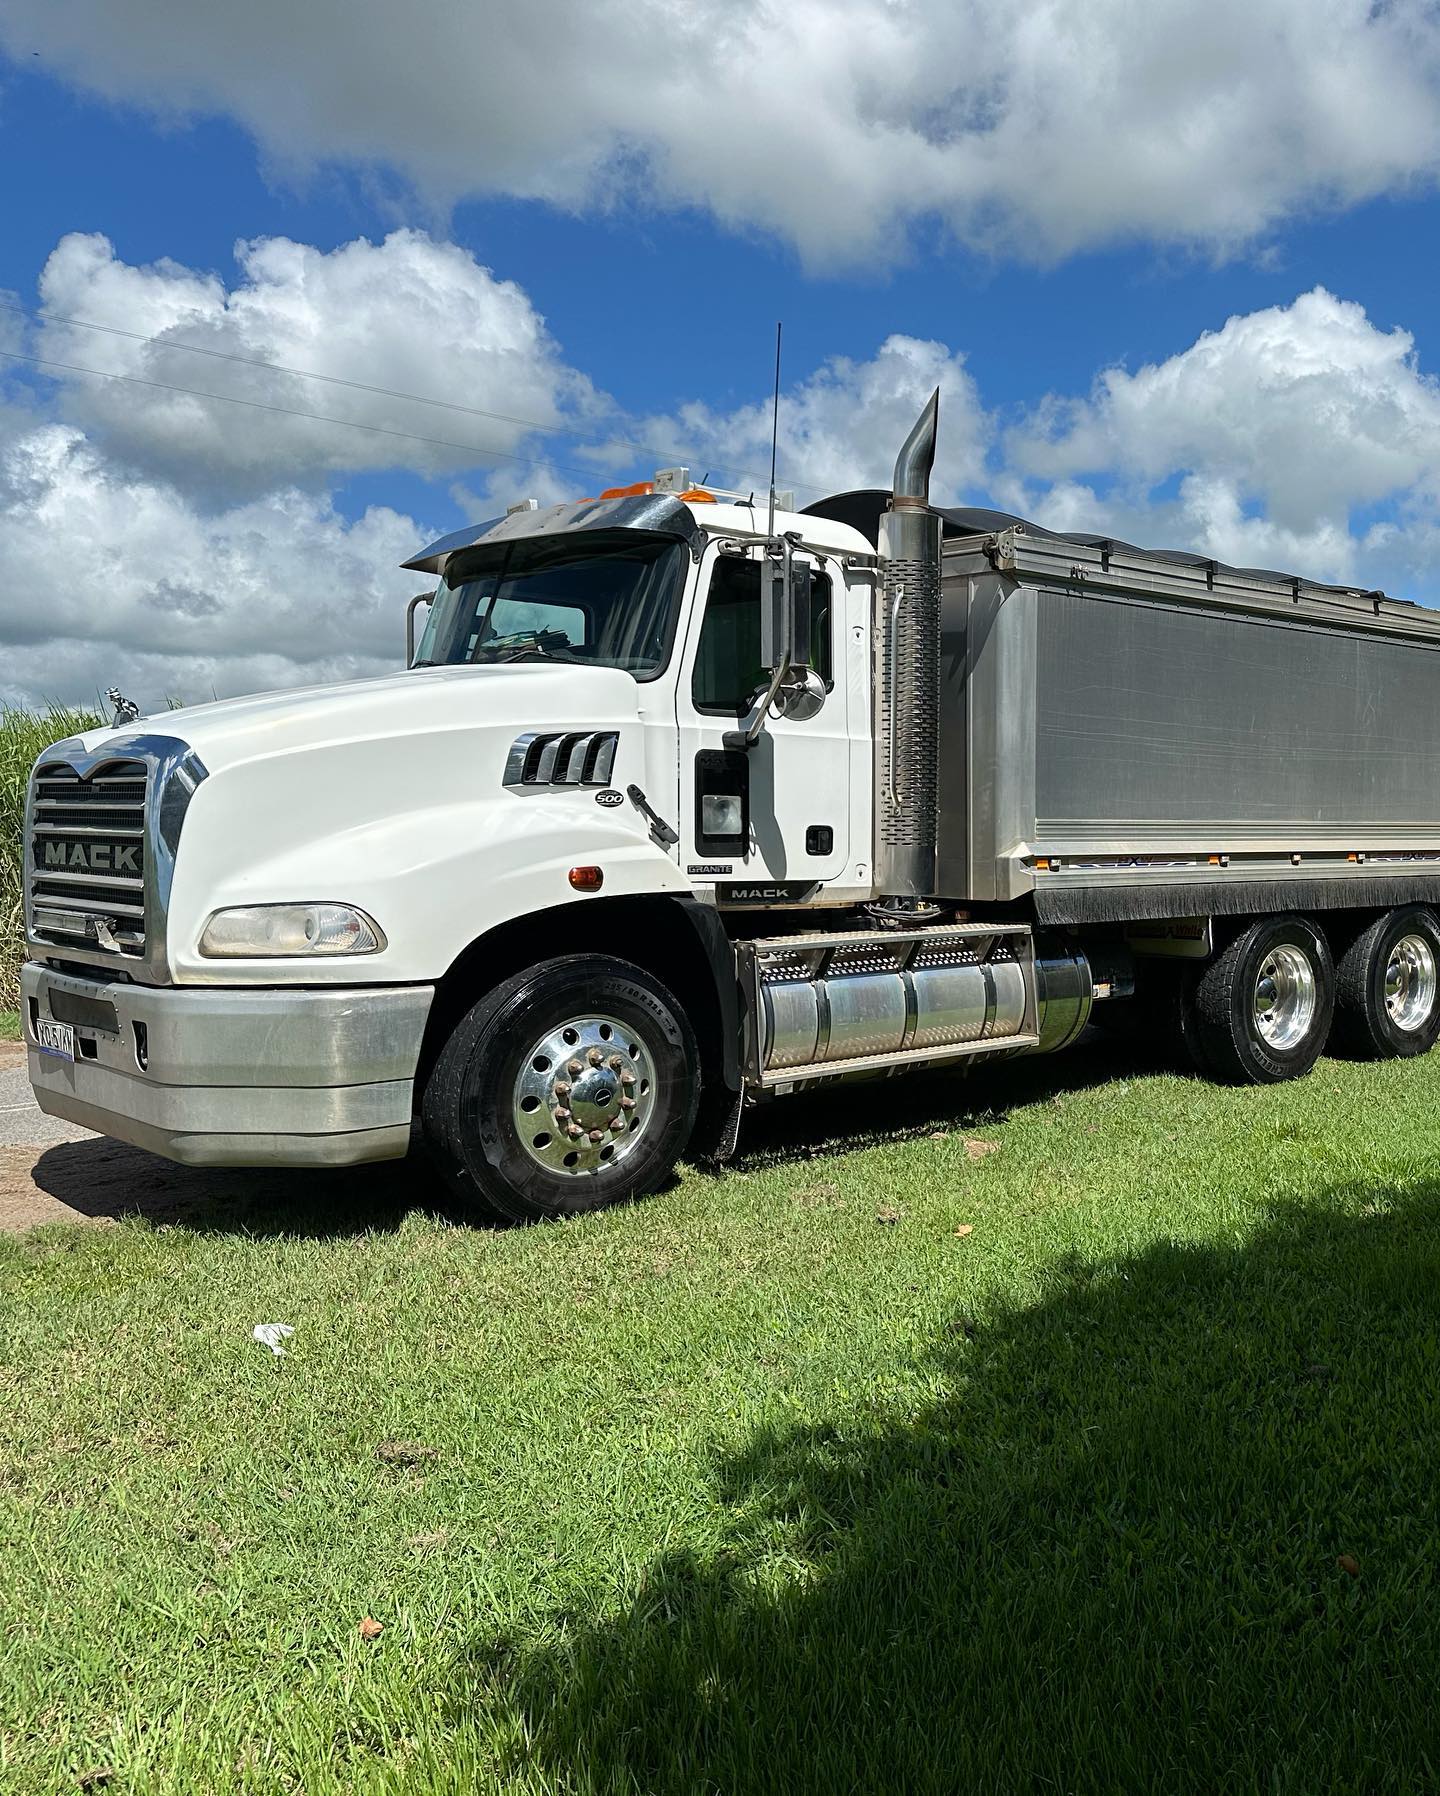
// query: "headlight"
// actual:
[[258, 931]]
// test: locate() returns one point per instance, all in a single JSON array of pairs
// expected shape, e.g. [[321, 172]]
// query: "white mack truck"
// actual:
[[685, 803]]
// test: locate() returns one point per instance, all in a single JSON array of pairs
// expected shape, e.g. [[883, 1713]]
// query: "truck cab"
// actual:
[[670, 588]]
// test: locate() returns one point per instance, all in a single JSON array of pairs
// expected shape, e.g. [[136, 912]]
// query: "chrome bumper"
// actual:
[[231, 1076]]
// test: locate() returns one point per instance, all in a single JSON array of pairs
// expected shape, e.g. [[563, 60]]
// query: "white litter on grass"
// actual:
[[271, 1334]]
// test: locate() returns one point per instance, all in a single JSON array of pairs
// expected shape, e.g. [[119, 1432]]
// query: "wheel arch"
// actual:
[[681, 941]]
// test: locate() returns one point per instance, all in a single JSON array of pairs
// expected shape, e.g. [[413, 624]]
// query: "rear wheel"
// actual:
[[1261, 1010], [1387, 1003], [569, 1087]]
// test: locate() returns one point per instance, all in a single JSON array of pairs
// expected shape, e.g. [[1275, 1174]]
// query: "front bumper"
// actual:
[[232, 1077]]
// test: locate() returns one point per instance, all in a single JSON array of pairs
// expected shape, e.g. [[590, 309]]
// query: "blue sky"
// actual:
[[1222, 337]]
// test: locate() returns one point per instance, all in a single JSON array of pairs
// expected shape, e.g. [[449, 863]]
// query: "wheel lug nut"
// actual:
[[562, 1117], [627, 1103], [574, 1131], [617, 1123], [627, 1077], [596, 1136], [595, 1057], [562, 1089], [575, 1068], [616, 1063]]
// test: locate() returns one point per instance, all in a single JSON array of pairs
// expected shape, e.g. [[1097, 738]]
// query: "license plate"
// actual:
[[55, 1038]]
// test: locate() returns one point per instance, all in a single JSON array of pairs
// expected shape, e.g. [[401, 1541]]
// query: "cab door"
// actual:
[[777, 815]]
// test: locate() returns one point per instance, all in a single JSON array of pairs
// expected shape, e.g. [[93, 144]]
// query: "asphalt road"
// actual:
[[22, 1122]]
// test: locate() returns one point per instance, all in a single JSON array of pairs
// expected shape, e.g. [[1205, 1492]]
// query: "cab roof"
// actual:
[[688, 521]]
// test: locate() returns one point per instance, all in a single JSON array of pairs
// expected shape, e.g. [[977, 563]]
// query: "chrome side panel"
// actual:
[[986, 811], [1098, 745], [1155, 718]]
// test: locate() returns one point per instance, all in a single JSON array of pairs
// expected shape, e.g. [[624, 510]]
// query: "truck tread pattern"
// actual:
[[466, 1106], [1225, 1043], [1363, 1028]]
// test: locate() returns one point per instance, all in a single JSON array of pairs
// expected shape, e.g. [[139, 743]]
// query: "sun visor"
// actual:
[[656, 513]]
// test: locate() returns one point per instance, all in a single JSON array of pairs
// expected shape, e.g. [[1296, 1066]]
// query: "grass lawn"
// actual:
[[1132, 1486], [9, 1025]]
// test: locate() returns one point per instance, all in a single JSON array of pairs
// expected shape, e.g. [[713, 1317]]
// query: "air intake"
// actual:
[[583, 758]]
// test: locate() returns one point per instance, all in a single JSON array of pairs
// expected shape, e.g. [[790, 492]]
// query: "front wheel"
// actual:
[[571, 1086], [1260, 1012]]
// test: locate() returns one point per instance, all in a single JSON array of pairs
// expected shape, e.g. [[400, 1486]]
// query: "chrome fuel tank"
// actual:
[[854, 1003]]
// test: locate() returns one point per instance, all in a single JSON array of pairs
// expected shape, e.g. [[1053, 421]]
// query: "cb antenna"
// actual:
[[774, 437]]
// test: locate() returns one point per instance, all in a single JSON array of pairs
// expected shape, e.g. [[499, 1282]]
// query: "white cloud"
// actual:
[[110, 576], [1035, 128], [1303, 437], [1270, 433], [842, 426], [410, 314]]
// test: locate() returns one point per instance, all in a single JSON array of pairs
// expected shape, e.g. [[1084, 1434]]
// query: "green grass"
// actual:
[[1133, 1487], [9, 1025], [22, 736]]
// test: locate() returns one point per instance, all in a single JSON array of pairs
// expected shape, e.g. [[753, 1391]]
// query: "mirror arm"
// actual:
[[744, 740], [421, 598]]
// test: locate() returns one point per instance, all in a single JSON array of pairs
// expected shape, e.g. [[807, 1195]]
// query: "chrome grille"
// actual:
[[86, 855]]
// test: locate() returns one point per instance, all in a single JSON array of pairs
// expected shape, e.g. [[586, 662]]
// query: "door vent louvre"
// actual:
[[576, 758]]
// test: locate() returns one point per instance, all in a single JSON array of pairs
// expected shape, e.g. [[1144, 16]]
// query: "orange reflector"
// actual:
[[1042, 866], [1214, 860], [586, 879], [698, 496], [640, 488], [1352, 857]]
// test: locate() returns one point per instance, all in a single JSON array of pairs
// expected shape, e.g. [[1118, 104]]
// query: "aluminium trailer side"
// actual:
[[1128, 735]]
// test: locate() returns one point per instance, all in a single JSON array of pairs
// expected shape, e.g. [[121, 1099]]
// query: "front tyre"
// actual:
[[1387, 1003], [1261, 1011], [571, 1086]]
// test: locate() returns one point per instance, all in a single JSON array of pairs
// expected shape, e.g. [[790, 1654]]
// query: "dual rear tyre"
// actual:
[[1264, 1009]]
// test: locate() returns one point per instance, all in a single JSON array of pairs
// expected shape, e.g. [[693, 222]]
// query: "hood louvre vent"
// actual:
[[574, 758]]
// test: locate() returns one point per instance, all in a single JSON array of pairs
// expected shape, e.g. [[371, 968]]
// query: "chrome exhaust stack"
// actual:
[[907, 680]]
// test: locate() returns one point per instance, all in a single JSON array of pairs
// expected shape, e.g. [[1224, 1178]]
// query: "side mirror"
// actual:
[[785, 584], [795, 690], [421, 598]]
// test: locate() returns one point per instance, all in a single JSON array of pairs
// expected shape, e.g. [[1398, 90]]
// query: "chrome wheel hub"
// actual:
[[584, 1095], [1410, 983], [1285, 997]]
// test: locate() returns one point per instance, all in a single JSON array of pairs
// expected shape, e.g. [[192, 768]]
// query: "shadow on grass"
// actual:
[[99, 1178], [107, 1179], [1171, 1527], [838, 1119]]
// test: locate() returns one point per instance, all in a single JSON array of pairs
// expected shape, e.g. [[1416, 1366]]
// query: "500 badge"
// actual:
[[609, 798]]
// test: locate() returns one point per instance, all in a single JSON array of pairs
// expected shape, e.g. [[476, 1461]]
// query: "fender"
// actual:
[[720, 952]]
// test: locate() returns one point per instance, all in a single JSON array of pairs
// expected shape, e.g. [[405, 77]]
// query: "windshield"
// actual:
[[604, 599]]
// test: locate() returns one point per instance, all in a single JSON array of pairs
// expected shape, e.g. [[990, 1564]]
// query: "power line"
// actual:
[[288, 411], [357, 386]]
